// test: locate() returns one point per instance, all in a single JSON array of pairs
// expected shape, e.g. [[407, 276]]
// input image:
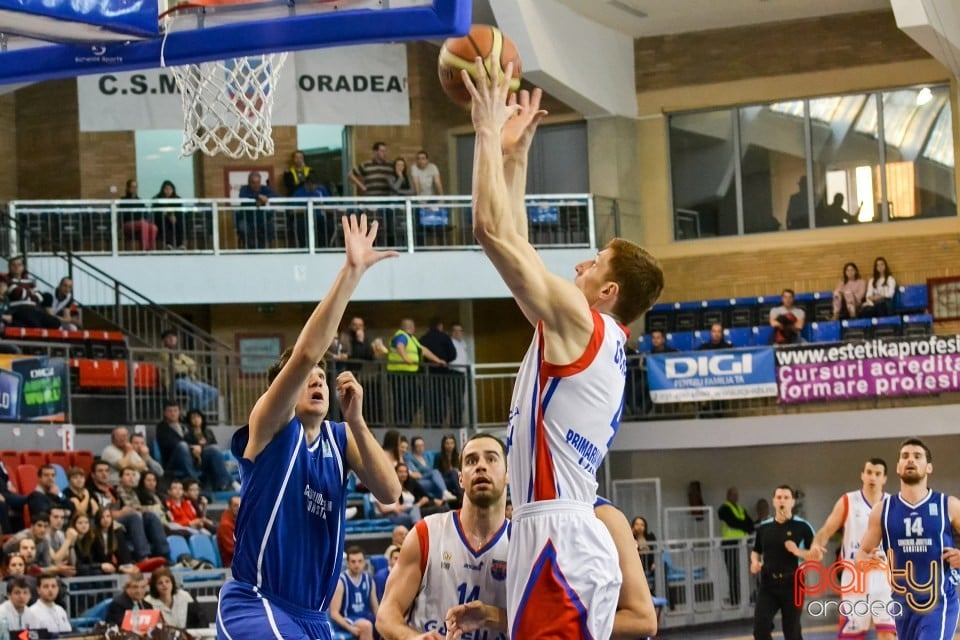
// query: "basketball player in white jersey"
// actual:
[[569, 390], [852, 513], [455, 557]]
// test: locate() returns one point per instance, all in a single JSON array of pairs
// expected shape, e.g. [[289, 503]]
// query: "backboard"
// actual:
[[45, 39]]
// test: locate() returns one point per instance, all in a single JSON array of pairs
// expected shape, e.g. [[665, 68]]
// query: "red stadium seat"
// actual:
[[26, 478], [36, 458], [82, 459], [10, 460], [61, 458]]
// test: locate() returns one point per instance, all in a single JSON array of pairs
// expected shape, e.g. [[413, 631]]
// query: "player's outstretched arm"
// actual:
[[515, 143], [951, 555], [399, 593], [364, 454], [832, 525], [275, 407], [873, 536], [636, 616], [540, 294]]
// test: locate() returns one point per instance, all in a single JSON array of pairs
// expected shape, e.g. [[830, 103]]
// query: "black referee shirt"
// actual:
[[772, 535]]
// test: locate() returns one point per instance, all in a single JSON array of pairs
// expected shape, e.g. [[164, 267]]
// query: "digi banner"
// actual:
[[871, 369], [33, 388], [712, 375]]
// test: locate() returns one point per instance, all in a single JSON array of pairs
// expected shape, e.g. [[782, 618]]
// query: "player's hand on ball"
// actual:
[[489, 106], [350, 394]]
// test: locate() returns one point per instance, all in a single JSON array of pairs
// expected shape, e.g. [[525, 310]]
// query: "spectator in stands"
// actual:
[[64, 306], [47, 614], [380, 577], [658, 343], [60, 544], [14, 611], [145, 534], [643, 536], [183, 369], [120, 454], [133, 594], [226, 530], [372, 178], [183, 513], [139, 443], [113, 537], [447, 463], [787, 320], [79, 495], [47, 495], [172, 602], [200, 502], [134, 218], [426, 504], [834, 214], [89, 556], [197, 430], [398, 535], [400, 184], [11, 502], [849, 294], [463, 358], [6, 319], [16, 567], [127, 492], [323, 228], [296, 174], [403, 364], [170, 217], [359, 346], [716, 339], [404, 511], [391, 444], [150, 500], [37, 531], [426, 176], [26, 303], [180, 454], [27, 549], [421, 470], [440, 393], [880, 291], [254, 225]]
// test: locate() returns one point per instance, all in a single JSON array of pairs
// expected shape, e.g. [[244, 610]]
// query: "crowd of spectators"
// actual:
[[23, 304]]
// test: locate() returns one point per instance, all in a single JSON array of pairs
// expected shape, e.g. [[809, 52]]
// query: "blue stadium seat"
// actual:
[[89, 618], [659, 318], [204, 547], [856, 329], [62, 481], [680, 341], [378, 562], [917, 325], [911, 298], [699, 337], [714, 311], [761, 335], [743, 312], [739, 336], [543, 214], [886, 326], [644, 343], [686, 316], [822, 306], [178, 547], [369, 512], [824, 331]]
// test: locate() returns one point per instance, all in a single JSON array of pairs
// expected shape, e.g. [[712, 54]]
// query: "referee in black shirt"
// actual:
[[781, 540]]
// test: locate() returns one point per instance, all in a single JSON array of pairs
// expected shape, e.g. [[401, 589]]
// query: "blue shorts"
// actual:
[[940, 623], [243, 613]]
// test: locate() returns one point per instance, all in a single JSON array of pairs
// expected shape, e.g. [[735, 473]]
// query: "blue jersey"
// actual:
[[356, 596], [289, 532], [916, 536]]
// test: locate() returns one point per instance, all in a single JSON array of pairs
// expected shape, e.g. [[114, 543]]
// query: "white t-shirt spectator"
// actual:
[[50, 617], [16, 620], [425, 178]]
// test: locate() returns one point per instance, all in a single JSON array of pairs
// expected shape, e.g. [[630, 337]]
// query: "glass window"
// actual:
[[846, 161], [322, 146], [774, 168], [158, 159], [702, 162], [917, 184]]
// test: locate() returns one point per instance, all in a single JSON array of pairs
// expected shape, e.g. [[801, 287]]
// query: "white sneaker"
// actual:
[[350, 513], [448, 497]]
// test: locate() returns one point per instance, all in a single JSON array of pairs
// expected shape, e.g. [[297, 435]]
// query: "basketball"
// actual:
[[460, 53]]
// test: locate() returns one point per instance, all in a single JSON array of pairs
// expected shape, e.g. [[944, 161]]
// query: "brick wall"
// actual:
[[8, 147], [48, 130], [818, 44], [107, 160]]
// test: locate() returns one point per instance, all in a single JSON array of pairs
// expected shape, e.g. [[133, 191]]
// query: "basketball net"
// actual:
[[228, 105]]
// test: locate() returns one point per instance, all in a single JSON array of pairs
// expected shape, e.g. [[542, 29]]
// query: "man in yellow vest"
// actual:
[[403, 364], [735, 525]]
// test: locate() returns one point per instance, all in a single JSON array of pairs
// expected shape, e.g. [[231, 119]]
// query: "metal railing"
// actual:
[[295, 225]]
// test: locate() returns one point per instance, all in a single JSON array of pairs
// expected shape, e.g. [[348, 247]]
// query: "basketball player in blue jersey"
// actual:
[[293, 467], [568, 394], [354, 606], [916, 527]]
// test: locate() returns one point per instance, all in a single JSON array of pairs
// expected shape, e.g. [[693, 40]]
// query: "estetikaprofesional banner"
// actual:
[[359, 85], [32, 389], [712, 375], [871, 369]]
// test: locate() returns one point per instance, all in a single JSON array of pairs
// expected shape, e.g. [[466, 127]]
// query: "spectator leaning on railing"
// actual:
[[183, 369]]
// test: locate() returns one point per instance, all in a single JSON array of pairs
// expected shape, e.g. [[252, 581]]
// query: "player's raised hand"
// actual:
[[464, 618], [350, 394], [358, 238], [518, 131], [791, 546], [489, 107]]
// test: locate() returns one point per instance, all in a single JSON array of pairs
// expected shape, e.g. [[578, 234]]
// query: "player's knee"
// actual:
[[363, 624]]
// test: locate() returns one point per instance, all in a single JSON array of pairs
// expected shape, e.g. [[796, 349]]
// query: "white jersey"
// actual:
[[856, 510], [454, 573], [563, 417]]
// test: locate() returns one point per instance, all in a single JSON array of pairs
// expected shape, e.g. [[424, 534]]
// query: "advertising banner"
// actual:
[[870, 369], [33, 388], [712, 375]]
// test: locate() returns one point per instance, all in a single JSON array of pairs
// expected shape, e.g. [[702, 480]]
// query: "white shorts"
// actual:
[[859, 609], [563, 577]]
